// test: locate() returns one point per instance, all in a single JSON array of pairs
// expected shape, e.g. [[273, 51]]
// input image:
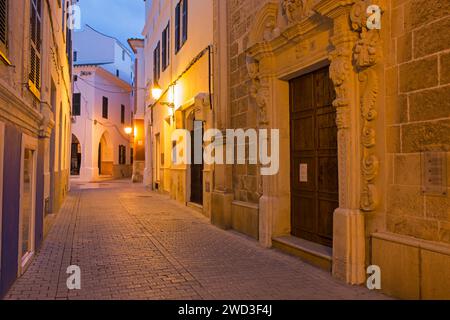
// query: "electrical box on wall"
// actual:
[[434, 173]]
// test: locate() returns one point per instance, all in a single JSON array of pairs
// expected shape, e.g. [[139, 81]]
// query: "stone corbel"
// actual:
[[46, 123]]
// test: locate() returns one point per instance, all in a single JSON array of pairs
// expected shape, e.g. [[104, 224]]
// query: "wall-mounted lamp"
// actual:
[[128, 130], [157, 93]]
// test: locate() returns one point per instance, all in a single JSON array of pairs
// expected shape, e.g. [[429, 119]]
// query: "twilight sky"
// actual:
[[121, 19]]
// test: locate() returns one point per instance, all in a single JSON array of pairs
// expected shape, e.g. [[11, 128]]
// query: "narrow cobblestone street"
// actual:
[[131, 243]]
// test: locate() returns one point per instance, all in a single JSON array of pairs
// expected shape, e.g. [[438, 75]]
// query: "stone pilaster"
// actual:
[[348, 229]]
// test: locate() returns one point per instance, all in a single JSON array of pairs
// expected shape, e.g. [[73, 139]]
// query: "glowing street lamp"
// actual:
[[128, 130], [156, 92]]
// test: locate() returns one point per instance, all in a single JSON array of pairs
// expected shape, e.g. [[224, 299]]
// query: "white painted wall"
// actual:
[[141, 84], [200, 35], [90, 125], [93, 47]]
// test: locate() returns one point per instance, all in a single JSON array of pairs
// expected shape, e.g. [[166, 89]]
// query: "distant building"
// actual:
[[93, 47], [102, 107], [35, 99]]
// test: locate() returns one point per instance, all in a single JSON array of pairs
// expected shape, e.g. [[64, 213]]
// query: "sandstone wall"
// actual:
[[417, 115], [243, 110]]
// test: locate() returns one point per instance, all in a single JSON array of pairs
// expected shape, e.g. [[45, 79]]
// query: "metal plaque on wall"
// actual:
[[434, 173]]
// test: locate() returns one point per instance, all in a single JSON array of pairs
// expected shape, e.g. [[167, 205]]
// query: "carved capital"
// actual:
[[367, 51]]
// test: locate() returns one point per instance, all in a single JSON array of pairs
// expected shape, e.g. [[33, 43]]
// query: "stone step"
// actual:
[[313, 253]]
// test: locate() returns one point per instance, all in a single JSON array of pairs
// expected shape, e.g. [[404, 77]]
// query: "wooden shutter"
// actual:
[[35, 48], [76, 104], [164, 49], [154, 65], [105, 108], [122, 113], [158, 60], [177, 27], [185, 21], [168, 44], [3, 24]]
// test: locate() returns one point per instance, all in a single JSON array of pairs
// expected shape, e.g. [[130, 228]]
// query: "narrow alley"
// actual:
[[131, 243]]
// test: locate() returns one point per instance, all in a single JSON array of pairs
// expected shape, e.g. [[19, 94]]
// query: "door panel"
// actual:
[[314, 176], [196, 172]]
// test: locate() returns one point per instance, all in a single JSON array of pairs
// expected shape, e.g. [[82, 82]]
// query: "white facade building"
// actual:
[[102, 110], [94, 47]]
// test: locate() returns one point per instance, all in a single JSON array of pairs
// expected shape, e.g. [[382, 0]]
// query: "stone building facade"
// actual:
[[103, 107], [35, 107], [177, 53], [363, 117]]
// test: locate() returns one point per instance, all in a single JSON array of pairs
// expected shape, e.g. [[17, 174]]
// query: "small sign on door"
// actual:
[[303, 172]]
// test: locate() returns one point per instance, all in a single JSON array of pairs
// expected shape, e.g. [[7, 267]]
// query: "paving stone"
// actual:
[[134, 247]]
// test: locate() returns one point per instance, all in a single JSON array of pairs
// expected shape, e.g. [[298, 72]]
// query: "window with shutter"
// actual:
[[122, 113], [166, 47], [35, 48], [157, 62], [177, 27], [105, 108], [185, 22], [3, 25], [76, 104], [122, 155]]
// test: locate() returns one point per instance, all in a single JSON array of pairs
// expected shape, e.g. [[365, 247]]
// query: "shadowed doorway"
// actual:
[[75, 158]]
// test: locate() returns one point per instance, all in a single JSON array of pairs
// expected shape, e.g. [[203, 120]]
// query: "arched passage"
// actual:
[[105, 155], [75, 158]]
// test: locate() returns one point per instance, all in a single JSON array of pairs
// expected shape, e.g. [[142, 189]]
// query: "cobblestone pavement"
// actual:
[[131, 243]]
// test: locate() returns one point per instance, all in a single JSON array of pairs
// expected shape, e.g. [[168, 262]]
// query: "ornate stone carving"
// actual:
[[259, 90], [304, 48], [366, 55], [339, 71], [366, 52], [296, 10]]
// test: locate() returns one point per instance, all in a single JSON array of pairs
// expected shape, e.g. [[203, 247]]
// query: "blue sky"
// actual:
[[121, 19]]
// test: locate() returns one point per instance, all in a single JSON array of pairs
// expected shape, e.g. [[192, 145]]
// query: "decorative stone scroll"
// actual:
[[366, 55], [339, 70], [296, 10]]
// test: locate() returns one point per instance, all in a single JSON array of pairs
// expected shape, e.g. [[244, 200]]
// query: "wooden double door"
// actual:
[[197, 165], [314, 161]]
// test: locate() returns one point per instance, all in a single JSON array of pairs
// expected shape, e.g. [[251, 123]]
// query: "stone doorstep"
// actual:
[[313, 253], [195, 206]]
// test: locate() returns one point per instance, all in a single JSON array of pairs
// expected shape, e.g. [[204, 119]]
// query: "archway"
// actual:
[[75, 158], [105, 155]]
